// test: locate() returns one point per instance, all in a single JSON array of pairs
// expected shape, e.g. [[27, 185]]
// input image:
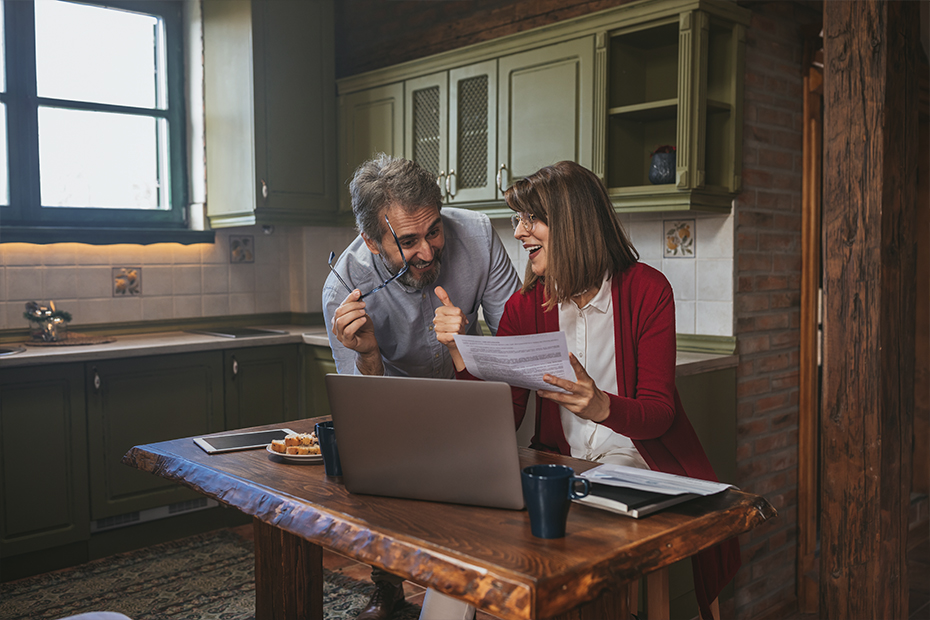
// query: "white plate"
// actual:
[[301, 459]]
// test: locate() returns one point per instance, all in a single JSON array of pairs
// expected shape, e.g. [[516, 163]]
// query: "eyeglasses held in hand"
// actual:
[[528, 220], [332, 257]]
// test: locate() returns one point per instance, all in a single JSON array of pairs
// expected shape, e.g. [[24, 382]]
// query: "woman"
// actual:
[[583, 278]]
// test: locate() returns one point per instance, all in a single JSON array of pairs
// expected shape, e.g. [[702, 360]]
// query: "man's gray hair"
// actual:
[[385, 181]]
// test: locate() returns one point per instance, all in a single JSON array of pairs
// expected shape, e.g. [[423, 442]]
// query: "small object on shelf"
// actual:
[[662, 169], [46, 324]]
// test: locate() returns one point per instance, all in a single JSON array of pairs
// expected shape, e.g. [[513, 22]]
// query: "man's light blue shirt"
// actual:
[[476, 273]]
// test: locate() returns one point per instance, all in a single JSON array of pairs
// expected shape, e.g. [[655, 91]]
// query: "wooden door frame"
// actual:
[[808, 591]]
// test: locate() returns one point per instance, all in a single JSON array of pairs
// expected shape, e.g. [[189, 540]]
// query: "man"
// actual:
[[410, 264]]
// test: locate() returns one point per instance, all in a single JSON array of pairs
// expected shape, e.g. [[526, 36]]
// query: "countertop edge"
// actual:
[[166, 343]]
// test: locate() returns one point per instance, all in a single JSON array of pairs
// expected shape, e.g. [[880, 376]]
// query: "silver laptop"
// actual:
[[431, 439]]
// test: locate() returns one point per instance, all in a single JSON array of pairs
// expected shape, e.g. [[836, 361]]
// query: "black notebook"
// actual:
[[631, 502]]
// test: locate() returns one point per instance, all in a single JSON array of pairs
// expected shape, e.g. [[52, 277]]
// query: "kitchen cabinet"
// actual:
[[604, 90], [677, 81], [709, 400], [451, 129], [269, 104], [371, 122], [261, 385], [43, 458], [65, 427], [318, 362], [145, 400], [546, 109]]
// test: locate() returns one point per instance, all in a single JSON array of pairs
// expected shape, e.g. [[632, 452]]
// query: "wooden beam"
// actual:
[[809, 397], [870, 176]]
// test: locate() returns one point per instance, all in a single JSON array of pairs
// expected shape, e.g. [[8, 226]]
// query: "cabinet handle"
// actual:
[[439, 181], [235, 367], [449, 184], [96, 380], [500, 177], [264, 190]]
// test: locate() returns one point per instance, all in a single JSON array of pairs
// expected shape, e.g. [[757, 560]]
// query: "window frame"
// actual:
[[24, 219]]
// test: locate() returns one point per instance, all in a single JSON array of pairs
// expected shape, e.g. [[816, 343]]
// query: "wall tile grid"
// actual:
[[174, 280], [702, 282]]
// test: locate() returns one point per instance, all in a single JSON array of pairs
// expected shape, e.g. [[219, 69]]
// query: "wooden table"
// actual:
[[485, 556]]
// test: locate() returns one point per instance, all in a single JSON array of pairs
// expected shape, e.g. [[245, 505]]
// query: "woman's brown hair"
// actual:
[[586, 239]]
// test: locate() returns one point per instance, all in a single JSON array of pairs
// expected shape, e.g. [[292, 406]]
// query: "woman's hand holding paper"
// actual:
[[584, 399]]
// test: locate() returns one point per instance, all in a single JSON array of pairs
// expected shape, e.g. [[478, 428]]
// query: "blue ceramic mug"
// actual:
[[326, 434], [548, 491]]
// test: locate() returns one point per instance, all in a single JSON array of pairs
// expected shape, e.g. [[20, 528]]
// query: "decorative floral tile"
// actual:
[[127, 281], [679, 239], [241, 249]]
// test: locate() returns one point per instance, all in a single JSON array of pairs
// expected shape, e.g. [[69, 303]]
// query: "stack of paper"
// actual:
[[640, 492]]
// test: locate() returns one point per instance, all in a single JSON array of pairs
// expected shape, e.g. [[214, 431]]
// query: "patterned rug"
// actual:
[[205, 577]]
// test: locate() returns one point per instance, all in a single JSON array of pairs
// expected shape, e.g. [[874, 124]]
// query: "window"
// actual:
[[92, 118]]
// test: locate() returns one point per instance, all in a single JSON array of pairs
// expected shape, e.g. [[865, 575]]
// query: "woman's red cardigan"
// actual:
[[647, 409]]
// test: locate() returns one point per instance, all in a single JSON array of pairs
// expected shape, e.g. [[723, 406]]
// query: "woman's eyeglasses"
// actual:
[[527, 219], [403, 270]]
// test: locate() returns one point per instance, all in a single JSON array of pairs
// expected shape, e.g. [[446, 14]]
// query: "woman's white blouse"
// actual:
[[589, 332]]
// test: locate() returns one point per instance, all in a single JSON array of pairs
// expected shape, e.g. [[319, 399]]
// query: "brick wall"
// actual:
[[371, 34], [767, 301], [768, 235]]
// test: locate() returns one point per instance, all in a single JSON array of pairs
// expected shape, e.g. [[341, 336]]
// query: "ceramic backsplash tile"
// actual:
[[714, 318], [157, 308], [702, 281], [216, 305], [180, 281], [681, 275], [159, 280], [684, 317], [715, 280], [60, 283], [188, 306], [290, 267], [187, 279], [679, 239]]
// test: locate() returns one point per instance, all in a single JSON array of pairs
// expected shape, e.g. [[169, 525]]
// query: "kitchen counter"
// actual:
[[163, 343], [687, 363]]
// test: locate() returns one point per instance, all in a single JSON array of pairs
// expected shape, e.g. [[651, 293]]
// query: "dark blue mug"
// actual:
[[326, 435], [548, 491]]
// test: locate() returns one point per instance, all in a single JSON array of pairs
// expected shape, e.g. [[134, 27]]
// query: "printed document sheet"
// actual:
[[655, 481], [520, 361]]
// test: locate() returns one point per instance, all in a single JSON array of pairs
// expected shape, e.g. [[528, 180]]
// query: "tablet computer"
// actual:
[[215, 444]]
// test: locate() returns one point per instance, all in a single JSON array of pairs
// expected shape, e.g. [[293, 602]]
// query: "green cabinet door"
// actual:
[[451, 129], [145, 400], [545, 108], [371, 122], [261, 385], [426, 124], [318, 362], [43, 458], [269, 100]]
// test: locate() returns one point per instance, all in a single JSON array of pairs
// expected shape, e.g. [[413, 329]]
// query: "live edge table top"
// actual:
[[484, 555]]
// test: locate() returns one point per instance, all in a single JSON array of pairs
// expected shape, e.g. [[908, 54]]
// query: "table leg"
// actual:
[[288, 575], [613, 603], [657, 595]]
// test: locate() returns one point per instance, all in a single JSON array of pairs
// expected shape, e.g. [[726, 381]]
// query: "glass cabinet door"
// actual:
[[472, 132]]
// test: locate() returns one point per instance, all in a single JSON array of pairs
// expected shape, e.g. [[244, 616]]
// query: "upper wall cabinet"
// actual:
[[605, 90], [269, 98], [451, 129], [676, 81], [370, 121], [546, 109]]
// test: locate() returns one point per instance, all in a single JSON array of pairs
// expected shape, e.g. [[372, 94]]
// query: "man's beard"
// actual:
[[414, 281]]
